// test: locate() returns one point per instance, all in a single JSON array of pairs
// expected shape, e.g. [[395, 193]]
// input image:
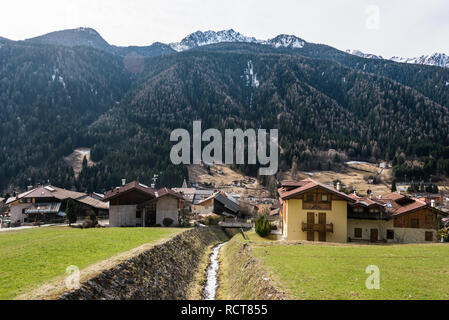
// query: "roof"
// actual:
[[394, 196], [227, 203], [98, 204], [188, 193], [200, 195], [112, 194], [395, 205], [167, 192], [308, 185]]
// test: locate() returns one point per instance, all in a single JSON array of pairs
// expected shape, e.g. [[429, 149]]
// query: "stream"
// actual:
[[211, 286]]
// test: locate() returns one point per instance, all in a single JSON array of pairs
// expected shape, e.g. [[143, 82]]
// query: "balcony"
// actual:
[[318, 227]]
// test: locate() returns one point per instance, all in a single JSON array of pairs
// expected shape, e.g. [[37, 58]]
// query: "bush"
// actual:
[[443, 233], [263, 227], [167, 222], [89, 223], [213, 220]]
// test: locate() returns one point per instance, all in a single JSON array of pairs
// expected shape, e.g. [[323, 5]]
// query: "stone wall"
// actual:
[[165, 272]]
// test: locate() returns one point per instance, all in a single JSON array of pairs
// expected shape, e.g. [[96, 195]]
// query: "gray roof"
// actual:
[[227, 203]]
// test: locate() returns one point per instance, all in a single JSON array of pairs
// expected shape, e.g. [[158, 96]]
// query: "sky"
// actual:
[[405, 28]]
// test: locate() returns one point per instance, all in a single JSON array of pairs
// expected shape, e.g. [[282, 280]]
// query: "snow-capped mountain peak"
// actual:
[[286, 41], [436, 59], [199, 38], [363, 55]]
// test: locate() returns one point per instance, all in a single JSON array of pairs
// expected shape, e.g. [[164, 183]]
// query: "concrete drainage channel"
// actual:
[[211, 286]]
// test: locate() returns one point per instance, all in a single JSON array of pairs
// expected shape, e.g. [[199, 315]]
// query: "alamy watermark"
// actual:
[[185, 152], [373, 281], [372, 21], [72, 281]]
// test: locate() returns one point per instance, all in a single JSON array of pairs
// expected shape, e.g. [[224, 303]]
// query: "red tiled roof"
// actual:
[[417, 205], [393, 196], [307, 185], [396, 209]]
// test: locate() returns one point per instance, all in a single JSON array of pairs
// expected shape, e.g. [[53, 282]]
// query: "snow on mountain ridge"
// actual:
[[436, 59], [363, 55], [199, 38]]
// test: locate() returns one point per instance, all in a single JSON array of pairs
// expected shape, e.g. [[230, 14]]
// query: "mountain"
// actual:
[[199, 39], [436, 59], [363, 55], [48, 97], [91, 38], [317, 104], [72, 89]]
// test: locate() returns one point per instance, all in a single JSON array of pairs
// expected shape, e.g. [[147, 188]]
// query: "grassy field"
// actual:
[[338, 272], [29, 258]]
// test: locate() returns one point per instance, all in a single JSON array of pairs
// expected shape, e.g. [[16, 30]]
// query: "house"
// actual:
[[48, 204], [137, 205], [187, 193], [392, 218], [199, 206], [221, 204], [315, 212]]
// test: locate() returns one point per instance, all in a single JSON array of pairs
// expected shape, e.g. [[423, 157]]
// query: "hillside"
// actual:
[[48, 97], [318, 105], [71, 89]]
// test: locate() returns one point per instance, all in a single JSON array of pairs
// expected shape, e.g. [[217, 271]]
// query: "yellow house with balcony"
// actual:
[[314, 212]]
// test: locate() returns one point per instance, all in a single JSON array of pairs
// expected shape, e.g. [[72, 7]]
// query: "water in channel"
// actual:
[[211, 286]]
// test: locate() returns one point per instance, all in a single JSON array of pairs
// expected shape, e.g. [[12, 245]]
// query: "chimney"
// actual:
[[371, 195], [432, 203], [123, 182], [338, 186], [29, 188], [153, 186]]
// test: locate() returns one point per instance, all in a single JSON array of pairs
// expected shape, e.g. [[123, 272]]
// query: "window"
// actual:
[[324, 198], [139, 215], [309, 198], [358, 209], [390, 234], [415, 223], [429, 236], [357, 232]]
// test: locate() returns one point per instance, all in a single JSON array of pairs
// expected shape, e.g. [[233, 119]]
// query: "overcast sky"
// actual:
[[386, 27]]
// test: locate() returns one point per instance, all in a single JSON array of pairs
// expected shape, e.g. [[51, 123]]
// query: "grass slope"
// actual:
[[32, 257], [338, 272]]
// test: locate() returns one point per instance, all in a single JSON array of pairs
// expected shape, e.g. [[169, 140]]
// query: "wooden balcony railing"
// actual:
[[317, 227]]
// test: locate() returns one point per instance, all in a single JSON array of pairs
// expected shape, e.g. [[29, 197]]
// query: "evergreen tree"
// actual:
[[71, 212]]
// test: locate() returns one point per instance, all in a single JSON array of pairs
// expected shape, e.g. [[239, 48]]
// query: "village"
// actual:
[[211, 233], [302, 209]]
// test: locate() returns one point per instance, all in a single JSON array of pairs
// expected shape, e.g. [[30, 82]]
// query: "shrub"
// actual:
[[263, 227], [444, 233], [89, 223], [212, 220], [167, 222]]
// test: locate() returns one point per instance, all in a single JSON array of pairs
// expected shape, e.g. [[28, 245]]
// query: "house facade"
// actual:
[[137, 205], [48, 204], [315, 212]]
